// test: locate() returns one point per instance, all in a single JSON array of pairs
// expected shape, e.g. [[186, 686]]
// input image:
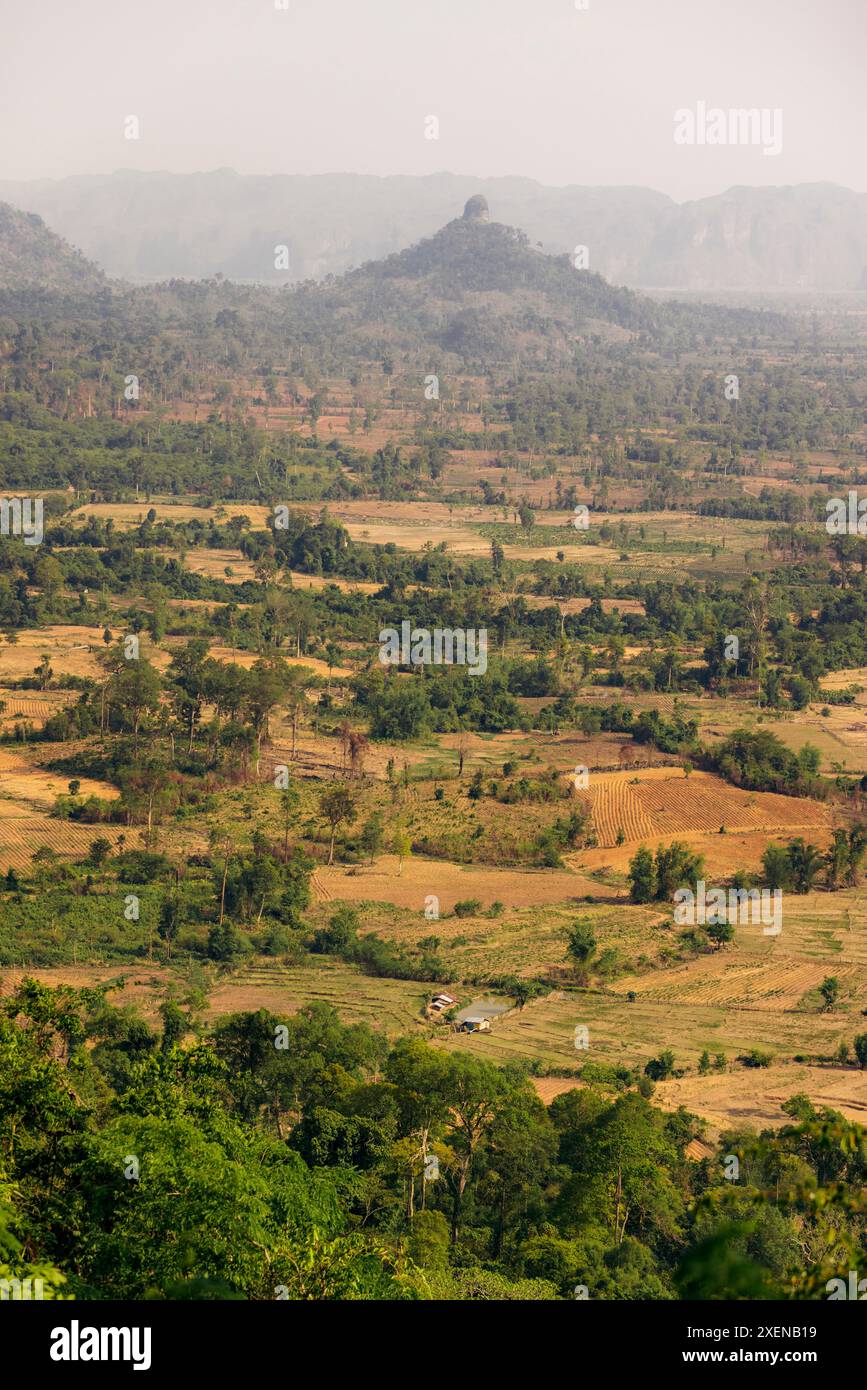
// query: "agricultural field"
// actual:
[[623, 1033], [128, 514], [840, 736], [34, 707], [72, 650], [23, 780], [229, 565], [663, 802], [407, 885]]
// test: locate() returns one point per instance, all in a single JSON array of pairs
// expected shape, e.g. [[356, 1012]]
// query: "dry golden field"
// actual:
[[662, 802], [840, 736], [31, 706], [72, 651], [129, 514], [631, 1033], [214, 564], [408, 885], [27, 795]]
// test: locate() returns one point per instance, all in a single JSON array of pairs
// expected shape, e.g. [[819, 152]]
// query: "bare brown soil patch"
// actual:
[[72, 651], [408, 886]]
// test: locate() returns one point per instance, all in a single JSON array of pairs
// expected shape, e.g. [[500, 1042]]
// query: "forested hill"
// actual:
[[31, 254], [480, 290], [468, 257]]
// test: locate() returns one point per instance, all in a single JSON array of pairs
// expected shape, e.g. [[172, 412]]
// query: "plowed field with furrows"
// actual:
[[646, 807], [616, 808], [34, 706], [703, 802], [21, 838]]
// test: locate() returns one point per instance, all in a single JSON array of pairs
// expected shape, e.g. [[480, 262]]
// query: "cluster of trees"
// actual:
[[443, 700], [758, 760], [131, 904], [135, 700], [655, 878], [374, 956], [797, 865]]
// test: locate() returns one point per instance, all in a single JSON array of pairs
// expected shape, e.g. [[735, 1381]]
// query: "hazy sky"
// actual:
[[531, 87]]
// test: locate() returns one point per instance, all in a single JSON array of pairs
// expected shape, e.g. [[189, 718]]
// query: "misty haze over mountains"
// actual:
[[154, 226]]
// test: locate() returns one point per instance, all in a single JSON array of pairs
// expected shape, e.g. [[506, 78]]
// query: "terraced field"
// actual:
[[526, 941], [407, 886], [633, 1032], [393, 1006], [744, 983]]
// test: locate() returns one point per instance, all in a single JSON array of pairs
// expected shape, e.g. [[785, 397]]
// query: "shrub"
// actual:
[[469, 907]]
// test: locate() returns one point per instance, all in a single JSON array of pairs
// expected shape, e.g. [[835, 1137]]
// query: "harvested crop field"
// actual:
[[755, 1098], [325, 581], [736, 1098], [740, 981], [313, 664], [213, 564], [632, 1032], [21, 837], [661, 802], [841, 737], [393, 1006], [71, 650], [22, 780], [408, 887], [33, 706], [129, 514]]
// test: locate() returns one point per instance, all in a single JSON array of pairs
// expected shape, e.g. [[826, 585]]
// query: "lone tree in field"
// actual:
[[169, 921], [136, 692], [661, 1067], [402, 846], [777, 866], [336, 807], [372, 836], [721, 933], [43, 672], [805, 861], [580, 942], [830, 991], [676, 867]]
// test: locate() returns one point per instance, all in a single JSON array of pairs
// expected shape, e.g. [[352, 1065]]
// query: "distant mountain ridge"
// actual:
[[155, 226]]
